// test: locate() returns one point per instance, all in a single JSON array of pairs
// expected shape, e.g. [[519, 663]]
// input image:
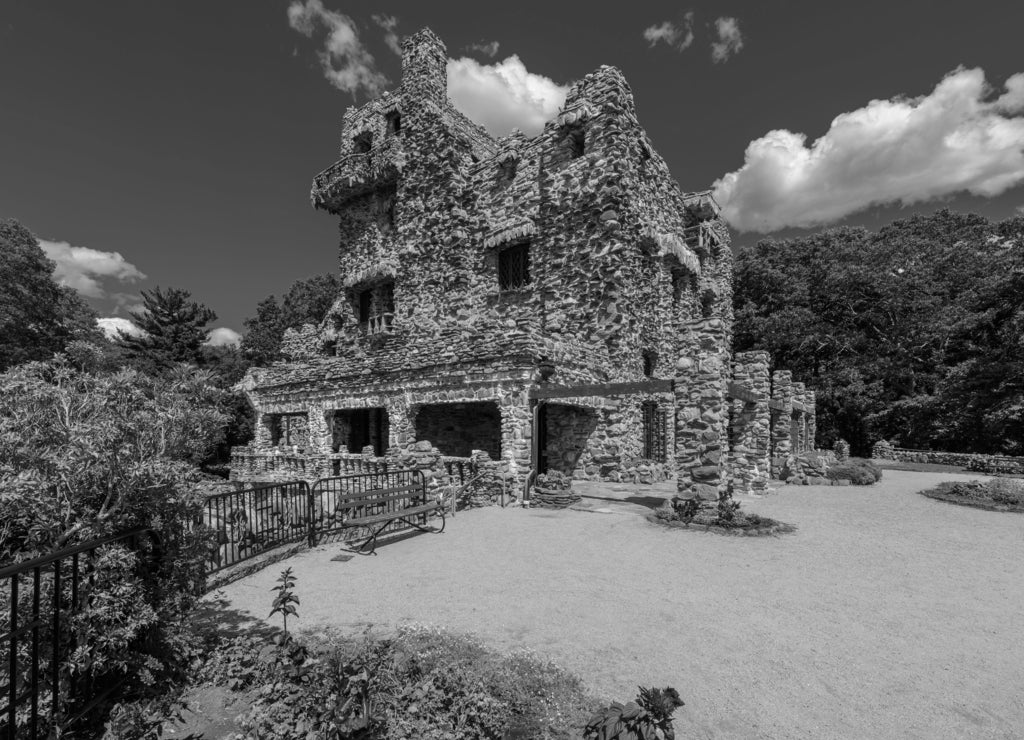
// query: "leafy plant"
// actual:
[[286, 600], [647, 718]]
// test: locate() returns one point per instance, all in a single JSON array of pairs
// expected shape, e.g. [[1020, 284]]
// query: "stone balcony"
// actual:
[[358, 173]]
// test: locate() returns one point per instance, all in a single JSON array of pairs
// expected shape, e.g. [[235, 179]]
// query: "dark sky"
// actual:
[[184, 135]]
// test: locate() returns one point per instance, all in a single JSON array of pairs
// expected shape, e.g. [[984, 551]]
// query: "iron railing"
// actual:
[[256, 519], [40, 601], [459, 469]]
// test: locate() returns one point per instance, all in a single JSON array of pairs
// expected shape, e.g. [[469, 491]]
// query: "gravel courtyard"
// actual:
[[887, 614]]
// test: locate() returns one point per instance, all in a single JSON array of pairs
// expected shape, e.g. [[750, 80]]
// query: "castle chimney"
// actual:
[[425, 68]]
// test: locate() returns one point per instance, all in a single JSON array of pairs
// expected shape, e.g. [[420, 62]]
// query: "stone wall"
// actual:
[[459, 428], [991, 464]]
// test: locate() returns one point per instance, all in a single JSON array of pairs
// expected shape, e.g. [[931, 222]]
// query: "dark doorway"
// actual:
[[354, 429], [457, 429], [542, 439]]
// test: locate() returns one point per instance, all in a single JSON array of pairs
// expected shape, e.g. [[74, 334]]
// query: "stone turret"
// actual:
[[424, 68]]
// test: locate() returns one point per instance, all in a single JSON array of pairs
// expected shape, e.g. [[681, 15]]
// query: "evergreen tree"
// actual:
[[175, 329]]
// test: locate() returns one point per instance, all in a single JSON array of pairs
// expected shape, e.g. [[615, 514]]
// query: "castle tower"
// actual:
[[425, 68]]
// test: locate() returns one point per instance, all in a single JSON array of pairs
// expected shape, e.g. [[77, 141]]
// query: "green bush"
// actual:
[[858, 471], [422, 683]]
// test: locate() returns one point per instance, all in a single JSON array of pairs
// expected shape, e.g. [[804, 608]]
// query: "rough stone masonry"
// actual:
[[477, 270]]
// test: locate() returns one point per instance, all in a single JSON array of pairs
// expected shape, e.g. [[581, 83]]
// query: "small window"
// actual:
[[678, 285], [363, 143], [394, 123], [707, 304], [507, 172], [655, 424], [575, 141], [514, 267], [377, 308], [650, 362]]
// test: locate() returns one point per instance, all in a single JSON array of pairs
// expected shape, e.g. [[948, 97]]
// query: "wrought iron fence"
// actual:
[[38, 636], [256, 519]]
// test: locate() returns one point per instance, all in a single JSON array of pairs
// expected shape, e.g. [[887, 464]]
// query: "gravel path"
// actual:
[[887, 615]]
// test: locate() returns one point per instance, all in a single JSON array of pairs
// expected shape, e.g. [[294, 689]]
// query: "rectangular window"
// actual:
[[377, 308], [394, 123], [363, 143], [655, 422], [514, 267]]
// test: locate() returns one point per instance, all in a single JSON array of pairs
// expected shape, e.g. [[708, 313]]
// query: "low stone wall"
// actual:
[[991, 464]]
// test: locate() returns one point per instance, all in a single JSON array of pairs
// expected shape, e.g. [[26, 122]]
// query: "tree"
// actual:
[[871, 322], [38, 317], [175, 329], [306, 302]]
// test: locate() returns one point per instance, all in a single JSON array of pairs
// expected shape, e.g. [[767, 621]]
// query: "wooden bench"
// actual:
[[401, 503]]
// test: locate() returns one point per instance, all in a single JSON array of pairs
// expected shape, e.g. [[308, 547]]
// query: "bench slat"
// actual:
[[388, 516], [364, 502], [376, 492]]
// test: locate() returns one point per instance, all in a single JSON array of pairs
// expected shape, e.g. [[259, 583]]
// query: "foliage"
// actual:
[[38, 317], [84, 455], [859, 472], [649, 717], [998, 494], [905, 334], [306, 302], [285, 601], [420, 683], [175, 329]]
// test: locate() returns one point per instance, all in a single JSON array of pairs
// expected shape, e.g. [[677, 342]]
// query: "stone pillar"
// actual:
[[781, 418], [516, 433], [401, 422], [801, 433], [319, 431], [811, 401], [751, 424], [701, 426]]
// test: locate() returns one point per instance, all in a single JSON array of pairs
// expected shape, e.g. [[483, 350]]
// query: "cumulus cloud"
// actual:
[[904, 150], [730, 40], [490, 48], [115, 328], [504, 95], [345, 61], [222, 336], [388, 23], [83, 269], [678, 36]]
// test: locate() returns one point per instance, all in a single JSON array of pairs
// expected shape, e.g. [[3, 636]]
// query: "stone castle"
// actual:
[[553, 303]]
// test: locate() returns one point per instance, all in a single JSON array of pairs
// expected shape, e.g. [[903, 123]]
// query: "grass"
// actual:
[[998, 494]]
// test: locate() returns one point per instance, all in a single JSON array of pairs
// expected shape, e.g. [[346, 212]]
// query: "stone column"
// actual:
[[401, 422], [811, 401], [781, 418], [701, 426], [801, 433], [751, 424], [319, 431], [516, 433]]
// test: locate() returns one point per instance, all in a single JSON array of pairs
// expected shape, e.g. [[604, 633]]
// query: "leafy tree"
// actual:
[[261, 342], [175, 329], [306, 302], [38, 317], [871, 322]]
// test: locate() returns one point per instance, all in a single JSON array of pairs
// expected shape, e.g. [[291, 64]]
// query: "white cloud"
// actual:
[[114, 328], [346, 62], [730, 40], [670, 34], [82, 269], [504, 95], [388, 23], [890, 151], [222, 336], [490, 48]]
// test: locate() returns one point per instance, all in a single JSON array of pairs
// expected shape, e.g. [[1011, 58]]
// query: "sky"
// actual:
[[173, 144]]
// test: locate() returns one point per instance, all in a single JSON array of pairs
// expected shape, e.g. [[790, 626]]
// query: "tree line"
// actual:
[[911, 334]]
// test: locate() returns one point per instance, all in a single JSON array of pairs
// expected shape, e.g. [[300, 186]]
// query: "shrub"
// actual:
[[999, 494], [421, 683], [647, 718], [857, 471], [1006, 491]]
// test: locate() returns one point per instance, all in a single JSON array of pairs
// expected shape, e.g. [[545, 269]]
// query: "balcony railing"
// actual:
[[380, 324], [357, 173], [702, 237]]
